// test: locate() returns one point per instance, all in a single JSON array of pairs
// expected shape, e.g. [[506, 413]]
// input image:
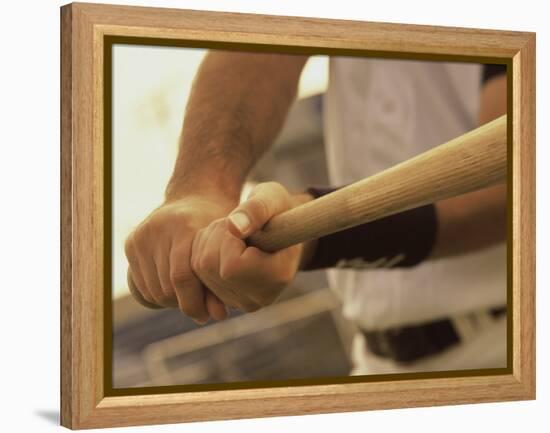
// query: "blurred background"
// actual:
[[304, 334]]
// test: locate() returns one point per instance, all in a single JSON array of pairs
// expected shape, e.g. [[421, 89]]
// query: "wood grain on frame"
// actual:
[[84, 399]]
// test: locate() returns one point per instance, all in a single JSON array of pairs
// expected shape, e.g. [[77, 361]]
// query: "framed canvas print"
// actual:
[[265, 215]]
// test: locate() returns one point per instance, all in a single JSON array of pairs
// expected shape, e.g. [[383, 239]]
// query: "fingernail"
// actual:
[[241, 221], [201, 321]]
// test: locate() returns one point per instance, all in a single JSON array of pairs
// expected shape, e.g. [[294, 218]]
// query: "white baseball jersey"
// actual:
[[378, 113]]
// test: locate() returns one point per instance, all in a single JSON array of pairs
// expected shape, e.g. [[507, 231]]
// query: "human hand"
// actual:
[[159, 251], [243, 276]]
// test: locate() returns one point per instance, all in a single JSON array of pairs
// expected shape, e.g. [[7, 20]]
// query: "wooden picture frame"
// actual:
[[86, 400]]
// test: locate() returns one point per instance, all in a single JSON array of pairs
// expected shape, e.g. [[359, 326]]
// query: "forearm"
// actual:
[[471, 222], [237, 105]]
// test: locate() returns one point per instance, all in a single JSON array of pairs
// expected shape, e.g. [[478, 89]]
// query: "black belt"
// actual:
[[410, 343]]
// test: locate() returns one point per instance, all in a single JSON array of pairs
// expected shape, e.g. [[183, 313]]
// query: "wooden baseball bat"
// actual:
[[467, 163]]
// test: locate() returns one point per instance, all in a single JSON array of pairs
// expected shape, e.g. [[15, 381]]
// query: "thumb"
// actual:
[[265, 201]]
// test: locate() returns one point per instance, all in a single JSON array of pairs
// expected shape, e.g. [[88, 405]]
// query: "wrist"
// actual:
[[206, 186], [207, 168]]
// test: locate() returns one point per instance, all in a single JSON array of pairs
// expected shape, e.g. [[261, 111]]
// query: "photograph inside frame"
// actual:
[[208, 146]]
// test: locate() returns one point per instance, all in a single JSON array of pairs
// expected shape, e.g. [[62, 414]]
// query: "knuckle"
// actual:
[[148, 234], [275, 187], [226, 274], [140, 240], [272, 189], [279, 197], [167, 292], [219, 222], [144, 237], [203, 263], [194, 263], [207, 262], [180, 277], [157, 227], [128, 247], [229, 271], [198, 235]]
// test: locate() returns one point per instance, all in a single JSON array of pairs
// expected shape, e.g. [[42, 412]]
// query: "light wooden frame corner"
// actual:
[[85, 28]]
